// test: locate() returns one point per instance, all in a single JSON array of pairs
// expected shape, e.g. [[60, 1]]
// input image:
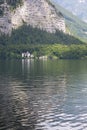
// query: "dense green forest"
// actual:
[[54, 51], [28, 35], [41, 43]]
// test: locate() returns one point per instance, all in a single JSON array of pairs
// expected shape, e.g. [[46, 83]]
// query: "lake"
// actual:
[[43, 95]]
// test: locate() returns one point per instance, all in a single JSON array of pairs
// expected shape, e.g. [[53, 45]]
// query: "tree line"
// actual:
[[29, 35], [40, 42]]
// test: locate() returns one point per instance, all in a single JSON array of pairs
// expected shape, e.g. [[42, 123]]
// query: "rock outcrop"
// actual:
[[36, 13]]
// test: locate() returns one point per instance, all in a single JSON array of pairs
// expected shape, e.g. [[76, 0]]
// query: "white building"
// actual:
[[27, 55]]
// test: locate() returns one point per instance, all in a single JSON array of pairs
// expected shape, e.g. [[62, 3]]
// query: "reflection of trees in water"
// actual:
[[26, 65], [33, 67]]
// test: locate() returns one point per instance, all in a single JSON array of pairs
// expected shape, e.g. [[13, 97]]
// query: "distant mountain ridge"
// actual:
[[74, 25], [77, 7]]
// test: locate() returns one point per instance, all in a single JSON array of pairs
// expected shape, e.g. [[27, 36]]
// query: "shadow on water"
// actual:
[[43, 95]]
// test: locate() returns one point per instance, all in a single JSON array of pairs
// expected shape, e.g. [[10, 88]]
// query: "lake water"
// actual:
[[43, 95]]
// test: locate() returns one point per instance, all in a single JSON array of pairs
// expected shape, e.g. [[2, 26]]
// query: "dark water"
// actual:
[[43, 95]]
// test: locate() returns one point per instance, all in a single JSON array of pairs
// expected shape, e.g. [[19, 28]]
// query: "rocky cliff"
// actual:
[[37, 13]]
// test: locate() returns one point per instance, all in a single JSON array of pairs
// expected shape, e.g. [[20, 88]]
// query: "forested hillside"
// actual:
[[28, 35], [49, 39], [39, 43]]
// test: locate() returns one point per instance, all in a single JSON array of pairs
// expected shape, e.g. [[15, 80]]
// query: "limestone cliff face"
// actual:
[[37, 13]]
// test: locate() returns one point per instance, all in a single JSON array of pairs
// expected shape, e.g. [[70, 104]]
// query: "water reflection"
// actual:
[[43, 95], [26, 64], [35, 105], [23, 106]]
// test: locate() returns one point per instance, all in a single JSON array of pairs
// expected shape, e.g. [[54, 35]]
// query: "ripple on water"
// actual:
[[63, 122], [43, 101]]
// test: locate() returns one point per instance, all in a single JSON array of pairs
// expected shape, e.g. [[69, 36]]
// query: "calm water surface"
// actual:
[[43, 95]]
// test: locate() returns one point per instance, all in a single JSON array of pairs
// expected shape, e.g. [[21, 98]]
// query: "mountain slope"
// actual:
[[37, 13], [33, 22], [77, 7], [75, 26]]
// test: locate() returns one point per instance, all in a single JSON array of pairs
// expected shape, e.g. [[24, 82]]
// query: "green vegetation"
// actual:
[[28, 35], [41, 43], [57, 51]]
